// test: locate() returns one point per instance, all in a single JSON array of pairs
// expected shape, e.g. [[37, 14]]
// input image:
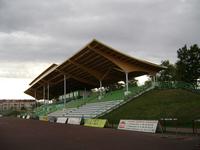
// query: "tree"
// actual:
[[188, 64], [168, 74]]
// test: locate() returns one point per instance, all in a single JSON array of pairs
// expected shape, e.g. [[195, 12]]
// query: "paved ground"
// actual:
[[182, 130], [19, 134]]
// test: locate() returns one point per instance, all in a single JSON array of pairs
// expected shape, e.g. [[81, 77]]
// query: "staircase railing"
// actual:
[[134, 93]]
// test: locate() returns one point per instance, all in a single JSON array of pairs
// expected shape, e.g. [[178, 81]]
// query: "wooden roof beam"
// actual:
[[56, 76], [76, 78], [126, 67], [106, 73], [85, 81], [94, 73]]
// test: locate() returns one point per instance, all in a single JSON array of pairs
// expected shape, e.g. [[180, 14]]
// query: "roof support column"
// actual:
[[100, 90], [64, 90], [85, 94], [153, 80], [126, 81], [35, 95], [35, 98], [44, 92], [127, 90], [73, 95], [48, 91], [156, 80]]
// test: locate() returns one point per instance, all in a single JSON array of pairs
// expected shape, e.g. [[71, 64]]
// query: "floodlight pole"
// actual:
[[64, 90]]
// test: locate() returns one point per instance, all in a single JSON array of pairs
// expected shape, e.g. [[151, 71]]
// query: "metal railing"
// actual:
[[174, 85]]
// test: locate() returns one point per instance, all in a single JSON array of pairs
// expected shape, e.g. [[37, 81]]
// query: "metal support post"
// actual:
[[100, 89], [126, 81], [64, 90], [44, 92], [85, 93], [154, 80], [35, 95], [35, 98], [127, 92], [48, 91]]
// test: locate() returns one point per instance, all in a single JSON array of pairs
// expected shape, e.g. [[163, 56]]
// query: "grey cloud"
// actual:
[[51, 31], [26, 14], [21, 70]]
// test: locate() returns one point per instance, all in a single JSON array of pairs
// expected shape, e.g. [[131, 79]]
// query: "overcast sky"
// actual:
[[36, 33]]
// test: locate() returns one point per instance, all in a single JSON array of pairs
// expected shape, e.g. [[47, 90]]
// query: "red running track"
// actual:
[[20, 134]]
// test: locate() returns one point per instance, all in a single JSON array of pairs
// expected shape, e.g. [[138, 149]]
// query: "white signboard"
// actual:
[[139, 125], [76, 121], [28, 117], [61, 120]]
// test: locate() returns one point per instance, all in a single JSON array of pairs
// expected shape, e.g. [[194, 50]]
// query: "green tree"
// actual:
[[168, 74], [188, 64]]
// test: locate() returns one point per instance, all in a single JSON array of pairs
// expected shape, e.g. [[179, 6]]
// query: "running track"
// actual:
[[20, 134]]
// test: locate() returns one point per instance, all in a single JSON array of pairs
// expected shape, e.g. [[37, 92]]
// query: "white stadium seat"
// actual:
[[90, 110]]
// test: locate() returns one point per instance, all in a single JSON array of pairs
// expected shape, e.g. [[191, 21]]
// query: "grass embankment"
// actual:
[[156, 104]]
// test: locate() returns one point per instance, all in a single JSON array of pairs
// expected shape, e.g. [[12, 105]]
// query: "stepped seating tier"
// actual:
[[90, 110], [87, 107], [110, 96], [61, 113]]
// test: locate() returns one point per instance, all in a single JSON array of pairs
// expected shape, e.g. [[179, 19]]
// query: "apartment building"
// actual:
[[7, 104]]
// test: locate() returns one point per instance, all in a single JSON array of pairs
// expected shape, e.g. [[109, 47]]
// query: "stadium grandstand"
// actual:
[[95, 66]]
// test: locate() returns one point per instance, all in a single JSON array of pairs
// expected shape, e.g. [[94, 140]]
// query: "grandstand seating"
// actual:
[[91, 107], [90, 110], [112, 97], [46, 109], [61, 113]]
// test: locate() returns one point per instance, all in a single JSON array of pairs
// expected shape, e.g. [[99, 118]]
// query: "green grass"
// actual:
[[156, 104]]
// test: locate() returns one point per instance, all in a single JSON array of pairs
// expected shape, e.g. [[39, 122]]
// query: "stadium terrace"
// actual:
[[95, 65]]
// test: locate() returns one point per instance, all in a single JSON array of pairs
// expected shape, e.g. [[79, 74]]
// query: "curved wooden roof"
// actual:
[[93, 63]]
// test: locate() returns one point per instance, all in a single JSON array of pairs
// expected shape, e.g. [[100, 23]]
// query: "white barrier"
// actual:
[[139, 125], [28, 117], [61, 120], [75, 121]]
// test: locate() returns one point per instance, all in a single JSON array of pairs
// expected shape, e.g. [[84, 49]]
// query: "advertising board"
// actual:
[[100, 123], [75, 121], [61, 120], [139, 125]]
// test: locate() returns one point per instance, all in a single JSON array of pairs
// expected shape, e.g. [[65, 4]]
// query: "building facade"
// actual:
[[16, 104]]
